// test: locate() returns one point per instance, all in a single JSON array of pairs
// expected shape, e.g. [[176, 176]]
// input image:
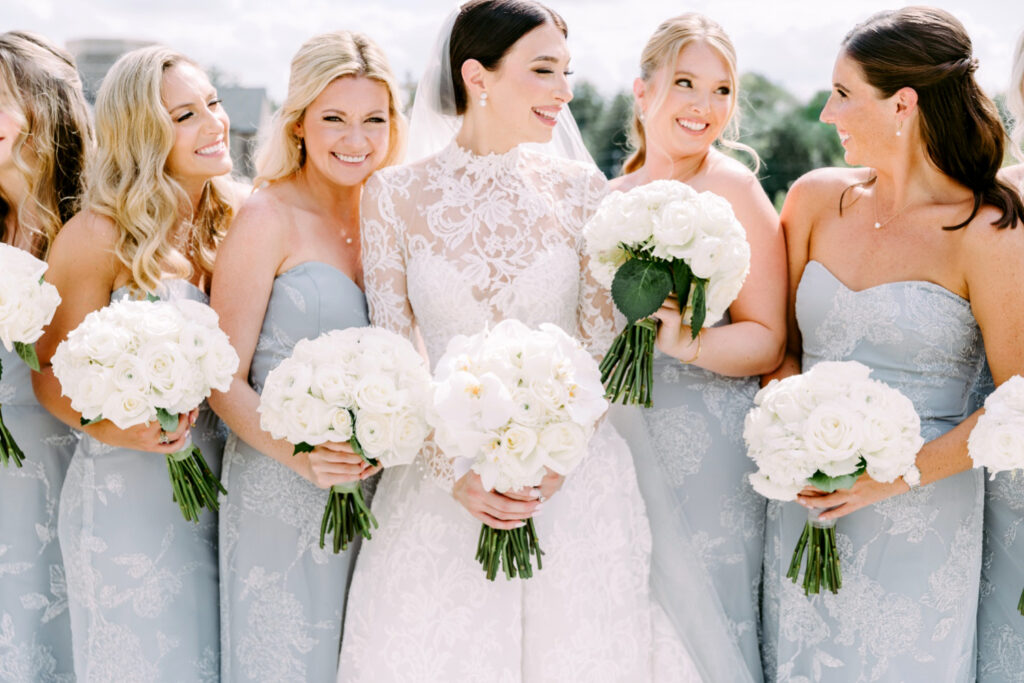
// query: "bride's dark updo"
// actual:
[[928, 49], [485, 30]]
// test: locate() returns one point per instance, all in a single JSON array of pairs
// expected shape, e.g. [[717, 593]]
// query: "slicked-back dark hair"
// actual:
[[928, 49], [485, 30]]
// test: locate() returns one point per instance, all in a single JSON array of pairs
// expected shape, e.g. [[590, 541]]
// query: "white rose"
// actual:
[[130, 374], [374, 433], [89, 392], [408, 432], [332, 382], [833, 433], [127, 409], [341, 425], [565, 444], [775, 490], [376, 393], [307, 419]]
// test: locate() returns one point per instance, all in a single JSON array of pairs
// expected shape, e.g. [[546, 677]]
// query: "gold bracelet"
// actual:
[[696, 355]]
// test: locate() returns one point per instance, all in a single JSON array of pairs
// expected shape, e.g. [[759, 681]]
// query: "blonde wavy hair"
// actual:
[[129, 182], [1015, 99], [662, 49], [320, 61], [40, 88]]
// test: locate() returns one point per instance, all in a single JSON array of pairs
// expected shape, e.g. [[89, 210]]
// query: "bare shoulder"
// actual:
[[984, 244], [262, 221], [239, 192], [87, 233], [733, 180], [624, 183]]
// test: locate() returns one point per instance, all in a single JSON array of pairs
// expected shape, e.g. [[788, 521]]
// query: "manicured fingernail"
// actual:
[[538, 508], [520, 525], [535, 493]]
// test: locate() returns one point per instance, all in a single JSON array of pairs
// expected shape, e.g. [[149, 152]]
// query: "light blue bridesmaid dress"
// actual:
[[142, 581], [282, 596], [35, 631], [910, 563], [696, 432]]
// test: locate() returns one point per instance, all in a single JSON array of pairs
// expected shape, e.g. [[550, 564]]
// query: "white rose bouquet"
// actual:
[[27, 305], [367, 386], [825, 428], [512, 402], [656, 239], [997, 440], [136, 361]]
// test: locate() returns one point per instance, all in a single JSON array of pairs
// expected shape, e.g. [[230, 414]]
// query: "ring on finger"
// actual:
[[165, 438]]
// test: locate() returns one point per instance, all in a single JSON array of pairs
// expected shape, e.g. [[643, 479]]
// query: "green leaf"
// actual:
[[168, 422], [27, 352], [822, 481], [302, 447], [640, 287], [152, 297], [86, 423], [681, 278], [700, 306]]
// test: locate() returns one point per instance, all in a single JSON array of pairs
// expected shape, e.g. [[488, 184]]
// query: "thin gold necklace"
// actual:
[[881, 224]]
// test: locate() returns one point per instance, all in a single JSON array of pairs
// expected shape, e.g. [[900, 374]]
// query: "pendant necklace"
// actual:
[[881, 224]]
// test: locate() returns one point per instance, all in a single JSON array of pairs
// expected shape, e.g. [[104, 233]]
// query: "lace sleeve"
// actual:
[[387, 295], [595, 310], [382, 237]]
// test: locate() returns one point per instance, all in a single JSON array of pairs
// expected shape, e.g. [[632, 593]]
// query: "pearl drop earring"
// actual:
[[483, 99]]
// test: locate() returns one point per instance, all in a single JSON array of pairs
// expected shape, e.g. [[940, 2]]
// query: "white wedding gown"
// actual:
[[451, 244]]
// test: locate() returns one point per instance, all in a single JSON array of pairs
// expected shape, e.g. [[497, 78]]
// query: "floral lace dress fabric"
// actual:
[[451, 244], [35, 631], [911, 563], [282, 595], [142, 581]]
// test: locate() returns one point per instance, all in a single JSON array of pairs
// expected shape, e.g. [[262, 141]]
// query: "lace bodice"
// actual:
[[458, 241]]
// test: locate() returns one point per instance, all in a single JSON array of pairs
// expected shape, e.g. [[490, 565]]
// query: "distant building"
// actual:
[[248, 108], [95, 56]]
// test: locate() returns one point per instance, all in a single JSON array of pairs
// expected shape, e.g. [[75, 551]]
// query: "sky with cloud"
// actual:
[[792, 42]]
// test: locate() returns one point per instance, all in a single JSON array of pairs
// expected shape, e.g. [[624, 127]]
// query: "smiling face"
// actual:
[[864, 121], [200, 150], [687, 104], [528, 89], [11, 122], [346, 129]]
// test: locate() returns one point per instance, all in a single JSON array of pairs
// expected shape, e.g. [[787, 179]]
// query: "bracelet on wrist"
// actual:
[[696, 355]]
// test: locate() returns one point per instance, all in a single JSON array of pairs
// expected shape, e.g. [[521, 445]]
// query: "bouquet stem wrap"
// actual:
[[818, 544]]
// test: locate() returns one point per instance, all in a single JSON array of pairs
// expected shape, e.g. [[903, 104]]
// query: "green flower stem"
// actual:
[[818, 544], [8, 448], [193, 483], [627, 370], [1020, 605], [510, 550], [346, 515]]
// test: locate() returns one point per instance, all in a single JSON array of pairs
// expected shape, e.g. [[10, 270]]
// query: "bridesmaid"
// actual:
[[45, 136], [685, 103], [142, 582], [291, 270], [905, 265], [1000, 624]]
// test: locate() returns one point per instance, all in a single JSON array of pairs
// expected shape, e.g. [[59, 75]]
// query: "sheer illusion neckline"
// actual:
[[925, 284]]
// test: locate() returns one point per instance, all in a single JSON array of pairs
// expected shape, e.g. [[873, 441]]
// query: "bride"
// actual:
[[489, 228]]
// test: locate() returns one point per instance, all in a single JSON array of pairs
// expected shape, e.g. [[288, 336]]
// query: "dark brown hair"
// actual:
[[927, 49], [485, 30]]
